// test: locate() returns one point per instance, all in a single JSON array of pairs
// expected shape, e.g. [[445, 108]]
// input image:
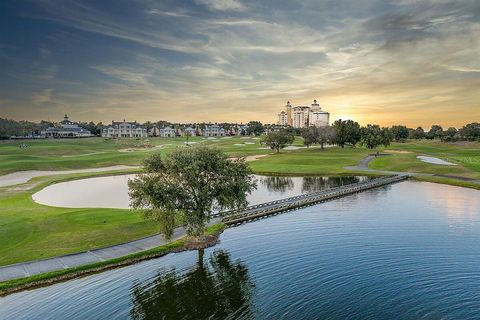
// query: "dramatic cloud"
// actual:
[[412, 62]]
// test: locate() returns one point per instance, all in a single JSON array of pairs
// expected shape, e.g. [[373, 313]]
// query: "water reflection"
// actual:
[[219, 290], [112, 191], [277, 184], [313, 184]]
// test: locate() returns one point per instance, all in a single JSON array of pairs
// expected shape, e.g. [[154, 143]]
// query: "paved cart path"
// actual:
[[25, 269]]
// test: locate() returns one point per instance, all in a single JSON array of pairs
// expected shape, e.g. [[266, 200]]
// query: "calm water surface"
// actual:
[[406, 251], [112, 191]]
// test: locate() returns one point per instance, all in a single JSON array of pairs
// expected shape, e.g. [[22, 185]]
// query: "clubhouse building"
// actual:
[[66, 129]]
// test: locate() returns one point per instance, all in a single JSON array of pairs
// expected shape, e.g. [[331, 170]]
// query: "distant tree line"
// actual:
[[349, 133], [341, 132]]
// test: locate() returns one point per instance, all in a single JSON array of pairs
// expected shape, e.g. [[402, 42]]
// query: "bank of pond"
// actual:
[[408, 250]]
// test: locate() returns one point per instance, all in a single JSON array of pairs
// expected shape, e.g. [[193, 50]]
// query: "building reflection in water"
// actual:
[[221, 289]]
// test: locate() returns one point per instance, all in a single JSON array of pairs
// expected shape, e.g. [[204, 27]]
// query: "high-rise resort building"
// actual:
[[304, 116]]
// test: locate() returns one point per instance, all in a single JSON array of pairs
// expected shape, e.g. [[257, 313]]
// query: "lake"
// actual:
[[410, 250], [112, 191]]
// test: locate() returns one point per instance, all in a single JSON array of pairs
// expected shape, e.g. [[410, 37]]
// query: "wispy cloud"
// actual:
[[230, 60], [223, 5]]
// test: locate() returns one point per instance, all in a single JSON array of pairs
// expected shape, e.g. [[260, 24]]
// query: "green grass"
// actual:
[[453, 182], [99, 152], [11, 286], [31, 231], [466, 156], [313, 161]]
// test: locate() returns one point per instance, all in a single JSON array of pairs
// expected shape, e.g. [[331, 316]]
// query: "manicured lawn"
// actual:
[[465, 155], [30, 231], [313, 161], [65, 154]]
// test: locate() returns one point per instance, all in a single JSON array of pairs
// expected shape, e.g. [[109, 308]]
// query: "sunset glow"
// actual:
[[388, 62]]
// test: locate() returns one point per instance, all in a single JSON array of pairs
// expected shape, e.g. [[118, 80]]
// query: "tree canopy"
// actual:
[[400, 133], [278, 139], [346, 132], [186, 185], [308, 135], [255, 127], [373, 136]]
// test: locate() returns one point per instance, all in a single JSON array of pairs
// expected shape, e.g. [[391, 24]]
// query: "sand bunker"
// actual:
[[24, 176], [293, 148], [398, 151], [434, 160], [253, 158]]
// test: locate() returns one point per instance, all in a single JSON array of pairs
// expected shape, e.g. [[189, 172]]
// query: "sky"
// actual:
[[374, 61]]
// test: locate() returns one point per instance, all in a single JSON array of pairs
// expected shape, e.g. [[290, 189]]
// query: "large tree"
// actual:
[[308, 135], [346, 132], [278, 139], [470, 131], [450, 134], [324, 135], [373, 136], [418, 133], [255, 127], [186, 185], [400, 133], [436, 131]]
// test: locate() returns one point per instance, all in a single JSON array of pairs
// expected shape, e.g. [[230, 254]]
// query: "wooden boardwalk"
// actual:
[[269, 208]]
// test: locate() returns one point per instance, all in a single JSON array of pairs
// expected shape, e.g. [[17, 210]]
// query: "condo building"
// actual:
[[214, 130], [124, 129]]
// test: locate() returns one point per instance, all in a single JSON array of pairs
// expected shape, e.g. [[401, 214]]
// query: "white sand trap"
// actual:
[[19, 177], [190, 142], [253, 158], [398, 151], [293, 148], [81, 155], [227, 138], [212, 138], [249, 142], [434, 160], [256, 138], [239, 145]]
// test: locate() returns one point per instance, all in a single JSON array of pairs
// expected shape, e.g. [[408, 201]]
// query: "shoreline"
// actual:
[[8, 287]]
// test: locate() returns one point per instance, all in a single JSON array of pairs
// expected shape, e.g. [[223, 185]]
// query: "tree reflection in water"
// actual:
[[221, 291], [278, 184], [312, 184]]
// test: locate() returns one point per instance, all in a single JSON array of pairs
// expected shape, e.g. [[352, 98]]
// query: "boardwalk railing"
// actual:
[[273, 207]]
